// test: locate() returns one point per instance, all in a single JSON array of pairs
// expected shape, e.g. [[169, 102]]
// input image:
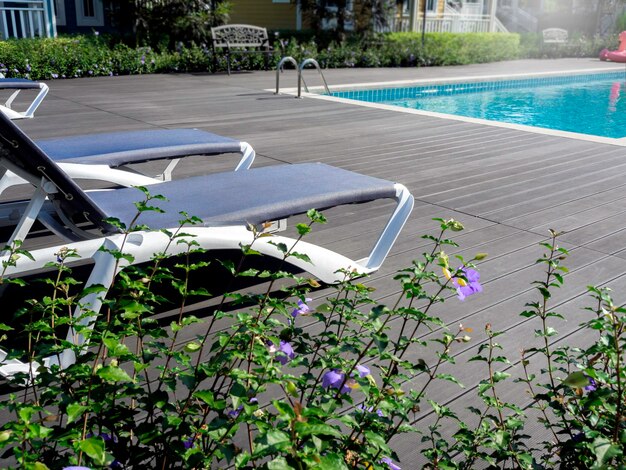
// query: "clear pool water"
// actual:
[[588, 104]]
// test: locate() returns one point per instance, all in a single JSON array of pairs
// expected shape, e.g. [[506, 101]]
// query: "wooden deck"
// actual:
[[506, 186]]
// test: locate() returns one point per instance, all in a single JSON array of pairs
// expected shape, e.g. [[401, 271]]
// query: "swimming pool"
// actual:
[[591, 104]]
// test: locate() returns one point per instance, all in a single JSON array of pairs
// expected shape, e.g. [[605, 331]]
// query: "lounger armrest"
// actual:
[[391, 231], [19, 85]]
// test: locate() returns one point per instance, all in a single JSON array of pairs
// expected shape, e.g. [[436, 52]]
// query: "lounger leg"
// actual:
[[30, 214], [9, 101], [103, 274], [167, 173]]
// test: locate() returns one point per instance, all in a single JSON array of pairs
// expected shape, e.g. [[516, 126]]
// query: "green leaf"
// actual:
[[94, 448], [74, 411], [303, 229], [113, 374], [450, 378], [500, 376], [501, 438], [305, 429], [605, 450], [284, 408], [192, 347], [331, 462], [279, 463], [273, 440]]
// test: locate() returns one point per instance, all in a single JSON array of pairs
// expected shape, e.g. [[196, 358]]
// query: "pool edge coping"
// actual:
[[467, 79]]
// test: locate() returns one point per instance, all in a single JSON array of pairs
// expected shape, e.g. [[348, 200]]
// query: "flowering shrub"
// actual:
[[90, 56], [286, 382]]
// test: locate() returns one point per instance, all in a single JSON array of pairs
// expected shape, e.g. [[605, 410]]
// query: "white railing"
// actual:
[[472, 9], [25, 19], [452, 24]]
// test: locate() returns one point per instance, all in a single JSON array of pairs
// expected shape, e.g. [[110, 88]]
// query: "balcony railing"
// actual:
[[452, 24], [26, 19]]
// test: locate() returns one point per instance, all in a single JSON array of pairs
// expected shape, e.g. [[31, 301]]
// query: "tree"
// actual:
[[169, 22], [338, 17]]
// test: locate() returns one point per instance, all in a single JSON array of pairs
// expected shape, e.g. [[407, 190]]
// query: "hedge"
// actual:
[[84, 56]]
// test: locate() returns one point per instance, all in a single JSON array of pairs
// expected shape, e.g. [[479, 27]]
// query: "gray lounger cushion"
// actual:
[[253, 196], [121, 148], [17, 83]]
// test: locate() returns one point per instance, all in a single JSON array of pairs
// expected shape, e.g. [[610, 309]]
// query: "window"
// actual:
[[89, 13], [281, 1], [59, 12]]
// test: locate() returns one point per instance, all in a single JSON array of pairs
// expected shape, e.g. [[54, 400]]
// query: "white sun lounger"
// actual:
[[226, 203]]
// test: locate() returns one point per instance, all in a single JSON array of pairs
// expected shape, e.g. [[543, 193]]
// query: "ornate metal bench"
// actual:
[[554, 36], [245, 38]]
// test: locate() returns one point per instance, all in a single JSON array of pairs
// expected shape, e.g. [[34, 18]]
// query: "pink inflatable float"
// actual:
[[620, 54]]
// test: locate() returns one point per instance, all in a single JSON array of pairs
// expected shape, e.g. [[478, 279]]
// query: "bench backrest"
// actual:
[[555, 35], [239, 35]]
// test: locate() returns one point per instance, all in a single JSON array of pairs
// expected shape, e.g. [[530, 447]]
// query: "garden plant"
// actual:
[[271, 379], [99, 55]]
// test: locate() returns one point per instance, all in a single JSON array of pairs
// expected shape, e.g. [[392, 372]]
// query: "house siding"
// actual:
[[264, 13]]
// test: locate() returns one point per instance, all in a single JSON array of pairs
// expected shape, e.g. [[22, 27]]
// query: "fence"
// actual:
[[26, 19]]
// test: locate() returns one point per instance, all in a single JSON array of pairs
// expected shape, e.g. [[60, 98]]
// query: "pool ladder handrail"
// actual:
[[300, 68]]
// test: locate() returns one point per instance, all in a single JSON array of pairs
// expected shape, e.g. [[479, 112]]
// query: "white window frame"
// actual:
[[59, 12], [281, 1], [96, 20]]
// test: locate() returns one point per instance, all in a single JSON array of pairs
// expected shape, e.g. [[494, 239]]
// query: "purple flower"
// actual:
[[390, 463], [143, 59], [471, 287], [370, 409], [188, 443], [364, 371], [301, 309], [285, 353], [334, 378], [234, 413], [28, 67], [96, 33], [593, 385], [54, 75], [76, 468]]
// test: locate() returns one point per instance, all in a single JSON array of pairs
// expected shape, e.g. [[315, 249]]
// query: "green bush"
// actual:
[[533, 47], [90, 56], [453, 48]]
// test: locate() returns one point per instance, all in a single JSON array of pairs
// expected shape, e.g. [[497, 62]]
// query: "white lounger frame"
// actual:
[[326, 265], [30, 111]]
